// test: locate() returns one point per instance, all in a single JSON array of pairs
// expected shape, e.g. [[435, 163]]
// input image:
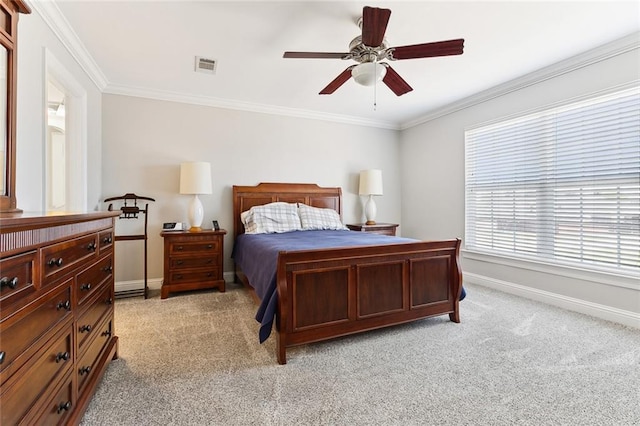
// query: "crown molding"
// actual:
[[163, 95], [56, 21], [590, 57]]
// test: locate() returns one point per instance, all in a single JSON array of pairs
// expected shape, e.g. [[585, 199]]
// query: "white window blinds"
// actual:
[[562, 185]]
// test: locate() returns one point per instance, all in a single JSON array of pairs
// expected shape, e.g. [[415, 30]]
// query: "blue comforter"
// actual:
[[257, 257]]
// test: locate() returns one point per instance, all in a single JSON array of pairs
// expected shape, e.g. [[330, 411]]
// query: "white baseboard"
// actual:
[[155, 283], [608, 313]]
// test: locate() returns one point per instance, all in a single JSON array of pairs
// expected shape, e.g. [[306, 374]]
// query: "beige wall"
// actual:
[[144, 142]]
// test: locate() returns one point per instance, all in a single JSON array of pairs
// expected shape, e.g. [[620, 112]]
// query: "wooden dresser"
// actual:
[[56, 314], [192, 261]]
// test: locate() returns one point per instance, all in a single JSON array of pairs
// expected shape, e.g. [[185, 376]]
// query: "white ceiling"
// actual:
[[150, 46]]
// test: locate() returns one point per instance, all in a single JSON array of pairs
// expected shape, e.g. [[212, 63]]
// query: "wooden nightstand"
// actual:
[[192, 261], [378, 228]]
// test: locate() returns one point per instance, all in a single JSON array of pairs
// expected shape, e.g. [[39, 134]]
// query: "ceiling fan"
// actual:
[[370, 48]]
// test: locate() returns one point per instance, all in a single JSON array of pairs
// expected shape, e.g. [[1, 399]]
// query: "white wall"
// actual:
[[432, 158], [34, 37], [144, 142]]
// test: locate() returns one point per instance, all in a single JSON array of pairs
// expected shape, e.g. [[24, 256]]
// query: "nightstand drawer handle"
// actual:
[[86, 328], [85, 370], [11, 283], [179, 277], [64, 406], [209, 261], [209, 246], [209, 275], [62, 356], [179, 262], [179, 248]]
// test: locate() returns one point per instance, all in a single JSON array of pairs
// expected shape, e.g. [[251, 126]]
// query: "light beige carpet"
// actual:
[[194, 359]]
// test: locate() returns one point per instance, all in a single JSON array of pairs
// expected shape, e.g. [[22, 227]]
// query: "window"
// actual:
[[561, 185]]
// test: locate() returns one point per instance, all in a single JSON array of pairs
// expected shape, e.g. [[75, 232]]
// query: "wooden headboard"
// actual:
[[245, 197]]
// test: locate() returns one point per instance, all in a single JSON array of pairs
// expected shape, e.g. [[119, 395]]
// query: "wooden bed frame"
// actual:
[[328, 293]]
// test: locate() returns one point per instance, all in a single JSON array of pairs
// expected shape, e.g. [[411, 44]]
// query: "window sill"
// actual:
[[630, 281]]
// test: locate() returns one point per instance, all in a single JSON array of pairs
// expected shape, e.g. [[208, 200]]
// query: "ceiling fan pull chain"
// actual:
[[375, 87]]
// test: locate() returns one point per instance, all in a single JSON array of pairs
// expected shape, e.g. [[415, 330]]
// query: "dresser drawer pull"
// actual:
[[209, 261], [64, 406], [84, 328], [209, 246], [106, 333], [108, 269], [179, 277], [209, 275], [109, 301], [179, 262], [91, 246], [85, 370], [55, 262], [63, 356], [107, 240], [85, 287], [179, 248], [2, 355], [66, 305], [6, 282]]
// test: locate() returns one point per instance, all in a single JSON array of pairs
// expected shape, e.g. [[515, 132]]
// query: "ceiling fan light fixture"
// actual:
[[368, 73]]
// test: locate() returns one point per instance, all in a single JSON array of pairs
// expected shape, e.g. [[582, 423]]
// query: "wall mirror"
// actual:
[[9, 12]]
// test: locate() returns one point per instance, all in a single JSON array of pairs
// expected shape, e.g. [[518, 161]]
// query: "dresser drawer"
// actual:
[[92, 278], [89, 320], [88, 362], [178, 277], [58, 258], [21, 330], [206, 261], [105, 240], [29, 384], [194, 247], [58, 408], [16, 277]]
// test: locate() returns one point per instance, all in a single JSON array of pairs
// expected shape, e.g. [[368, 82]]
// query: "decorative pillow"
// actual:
[[271, 218], [317, 218]]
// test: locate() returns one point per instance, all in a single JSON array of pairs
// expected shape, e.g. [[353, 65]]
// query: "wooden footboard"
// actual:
[[335, 292]]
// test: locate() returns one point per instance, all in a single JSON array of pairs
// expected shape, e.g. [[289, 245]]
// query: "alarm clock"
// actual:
[[173, 226]]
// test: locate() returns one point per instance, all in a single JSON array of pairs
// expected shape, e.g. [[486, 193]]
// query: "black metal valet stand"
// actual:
[[130, 211]]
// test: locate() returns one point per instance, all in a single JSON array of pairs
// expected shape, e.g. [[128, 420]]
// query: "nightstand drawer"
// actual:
[[199, 247], [195, 276], [176, 263]]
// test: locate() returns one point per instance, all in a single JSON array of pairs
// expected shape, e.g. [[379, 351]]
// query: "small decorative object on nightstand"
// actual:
[[378, 228], [192, 261]]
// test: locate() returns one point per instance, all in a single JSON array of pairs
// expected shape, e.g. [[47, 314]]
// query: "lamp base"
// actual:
[[195, 229], [370, 222]]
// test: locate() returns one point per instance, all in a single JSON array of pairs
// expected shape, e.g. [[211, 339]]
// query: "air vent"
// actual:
[[205, 65]]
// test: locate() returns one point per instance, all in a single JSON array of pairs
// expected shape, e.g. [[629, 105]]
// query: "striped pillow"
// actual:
[[317, 218], [271, 218]]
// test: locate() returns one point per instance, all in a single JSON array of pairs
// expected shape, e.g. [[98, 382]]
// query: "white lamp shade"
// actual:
[[368, 73], [370, 182], [195, 178]]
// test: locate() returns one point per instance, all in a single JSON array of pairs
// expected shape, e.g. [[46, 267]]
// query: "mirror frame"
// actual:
[[9, 12]]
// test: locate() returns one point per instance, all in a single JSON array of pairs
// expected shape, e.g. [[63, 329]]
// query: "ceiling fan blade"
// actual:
[[374, 25], [337, 82], [315, 55], [396, 83], [427, 50]]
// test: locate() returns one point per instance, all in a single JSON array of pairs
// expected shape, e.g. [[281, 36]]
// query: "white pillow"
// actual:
[[271, 218], [317, 218]]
